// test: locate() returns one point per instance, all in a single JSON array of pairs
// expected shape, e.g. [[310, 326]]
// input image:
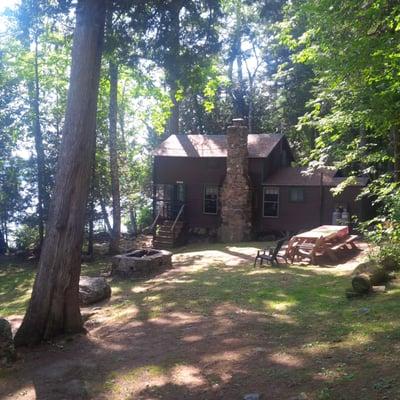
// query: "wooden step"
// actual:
[[170, 223], [164, 239], [166, 230], [162, 232], [158, 245], [164, 236]]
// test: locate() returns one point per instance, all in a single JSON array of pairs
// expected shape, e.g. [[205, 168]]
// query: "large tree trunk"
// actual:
[[172, 65], [113, 144], [54, 305], [173, 122], [34, 93]]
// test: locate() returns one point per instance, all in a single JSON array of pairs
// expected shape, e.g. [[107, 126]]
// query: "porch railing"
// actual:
[[154, 223], [177, 217]]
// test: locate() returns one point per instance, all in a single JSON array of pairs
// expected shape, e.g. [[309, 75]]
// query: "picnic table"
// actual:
[[324, 240]]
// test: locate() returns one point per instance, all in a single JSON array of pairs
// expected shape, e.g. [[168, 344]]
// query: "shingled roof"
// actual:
[[259, 146], [290, 176]]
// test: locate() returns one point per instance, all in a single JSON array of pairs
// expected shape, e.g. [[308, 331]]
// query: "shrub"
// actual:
[[26, 237], [389, 256]]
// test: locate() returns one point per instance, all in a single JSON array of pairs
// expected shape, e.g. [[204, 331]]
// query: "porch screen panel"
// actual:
[[271, 202]]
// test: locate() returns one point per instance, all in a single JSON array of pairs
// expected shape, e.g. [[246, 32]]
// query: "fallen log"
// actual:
[[379, 289], [361, 283], [369, 274]]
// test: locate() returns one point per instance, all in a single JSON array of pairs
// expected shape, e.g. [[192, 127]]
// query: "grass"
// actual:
[[303, 307], [16, 279], [303, 295]]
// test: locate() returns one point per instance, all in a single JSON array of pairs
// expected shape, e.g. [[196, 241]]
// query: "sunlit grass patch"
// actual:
[[15, 288]]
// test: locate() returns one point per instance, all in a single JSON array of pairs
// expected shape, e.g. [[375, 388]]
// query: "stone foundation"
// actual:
[[235, 196], [141, 263]]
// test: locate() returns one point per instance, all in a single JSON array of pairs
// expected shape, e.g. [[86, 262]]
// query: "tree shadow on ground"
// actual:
[[224, 331]]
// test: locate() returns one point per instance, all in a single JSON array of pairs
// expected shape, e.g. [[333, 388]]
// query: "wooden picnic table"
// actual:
[[327, 232], [324, 237]]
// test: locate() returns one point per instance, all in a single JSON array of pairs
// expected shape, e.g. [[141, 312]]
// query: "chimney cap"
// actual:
[[238, 121]]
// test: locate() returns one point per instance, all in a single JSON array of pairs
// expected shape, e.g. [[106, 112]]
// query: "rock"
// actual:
[[252, 396], [367, 267], [93, 290], [141, 263], [7, 349], [375, 272]]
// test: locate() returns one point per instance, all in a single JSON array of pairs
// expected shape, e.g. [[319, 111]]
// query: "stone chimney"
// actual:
[[235, 194]]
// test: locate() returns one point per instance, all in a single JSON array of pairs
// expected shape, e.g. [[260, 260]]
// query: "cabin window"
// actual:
[[271, 202], [296, 194], [210, 199]]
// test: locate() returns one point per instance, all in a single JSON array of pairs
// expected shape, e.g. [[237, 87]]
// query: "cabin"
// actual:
[[241, 186]]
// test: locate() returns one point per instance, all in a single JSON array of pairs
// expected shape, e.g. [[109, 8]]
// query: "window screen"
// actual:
[[271, 202], [210, 199]]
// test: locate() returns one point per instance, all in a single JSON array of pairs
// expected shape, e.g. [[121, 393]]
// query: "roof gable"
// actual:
[[259, 146]]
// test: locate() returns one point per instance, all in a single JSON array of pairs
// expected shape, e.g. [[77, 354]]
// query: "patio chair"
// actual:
[[270, 255]]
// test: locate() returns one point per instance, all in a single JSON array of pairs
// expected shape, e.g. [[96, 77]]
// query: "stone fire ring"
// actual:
[[141, 263]]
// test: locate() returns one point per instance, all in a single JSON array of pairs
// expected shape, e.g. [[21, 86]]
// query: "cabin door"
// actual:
[[179, 197]]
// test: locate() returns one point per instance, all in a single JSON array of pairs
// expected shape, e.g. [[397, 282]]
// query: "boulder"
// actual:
[[93, 290], [7, 349]]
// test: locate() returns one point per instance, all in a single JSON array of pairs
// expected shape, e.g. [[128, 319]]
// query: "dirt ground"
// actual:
[[214, 328]]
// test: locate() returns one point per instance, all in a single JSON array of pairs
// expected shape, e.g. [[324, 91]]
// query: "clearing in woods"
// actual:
[[215, 328]]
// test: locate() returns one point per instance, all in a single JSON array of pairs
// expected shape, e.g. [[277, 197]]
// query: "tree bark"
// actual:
[[114, 170], [92, 211], [132, 217], [3, 244], [396, 152], [40, 157], [173, 122], [172, 65], [105, 215], [34, 101], [54, 305]]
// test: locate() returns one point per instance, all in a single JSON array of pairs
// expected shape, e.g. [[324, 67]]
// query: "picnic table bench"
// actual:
[[324, 240]]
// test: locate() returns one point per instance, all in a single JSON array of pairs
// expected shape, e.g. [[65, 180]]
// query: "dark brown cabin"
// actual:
[[190, 172]]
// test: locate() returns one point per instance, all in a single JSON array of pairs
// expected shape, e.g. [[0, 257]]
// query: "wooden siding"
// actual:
[[197, 172], [295, 216]]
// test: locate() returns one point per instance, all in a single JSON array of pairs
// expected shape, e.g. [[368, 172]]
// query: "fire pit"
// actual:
[[141, 263]]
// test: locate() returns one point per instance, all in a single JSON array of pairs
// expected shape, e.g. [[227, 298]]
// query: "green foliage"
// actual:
[[352, 51], [26, 237], [325, 73], [384, 232], [145, 216]]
